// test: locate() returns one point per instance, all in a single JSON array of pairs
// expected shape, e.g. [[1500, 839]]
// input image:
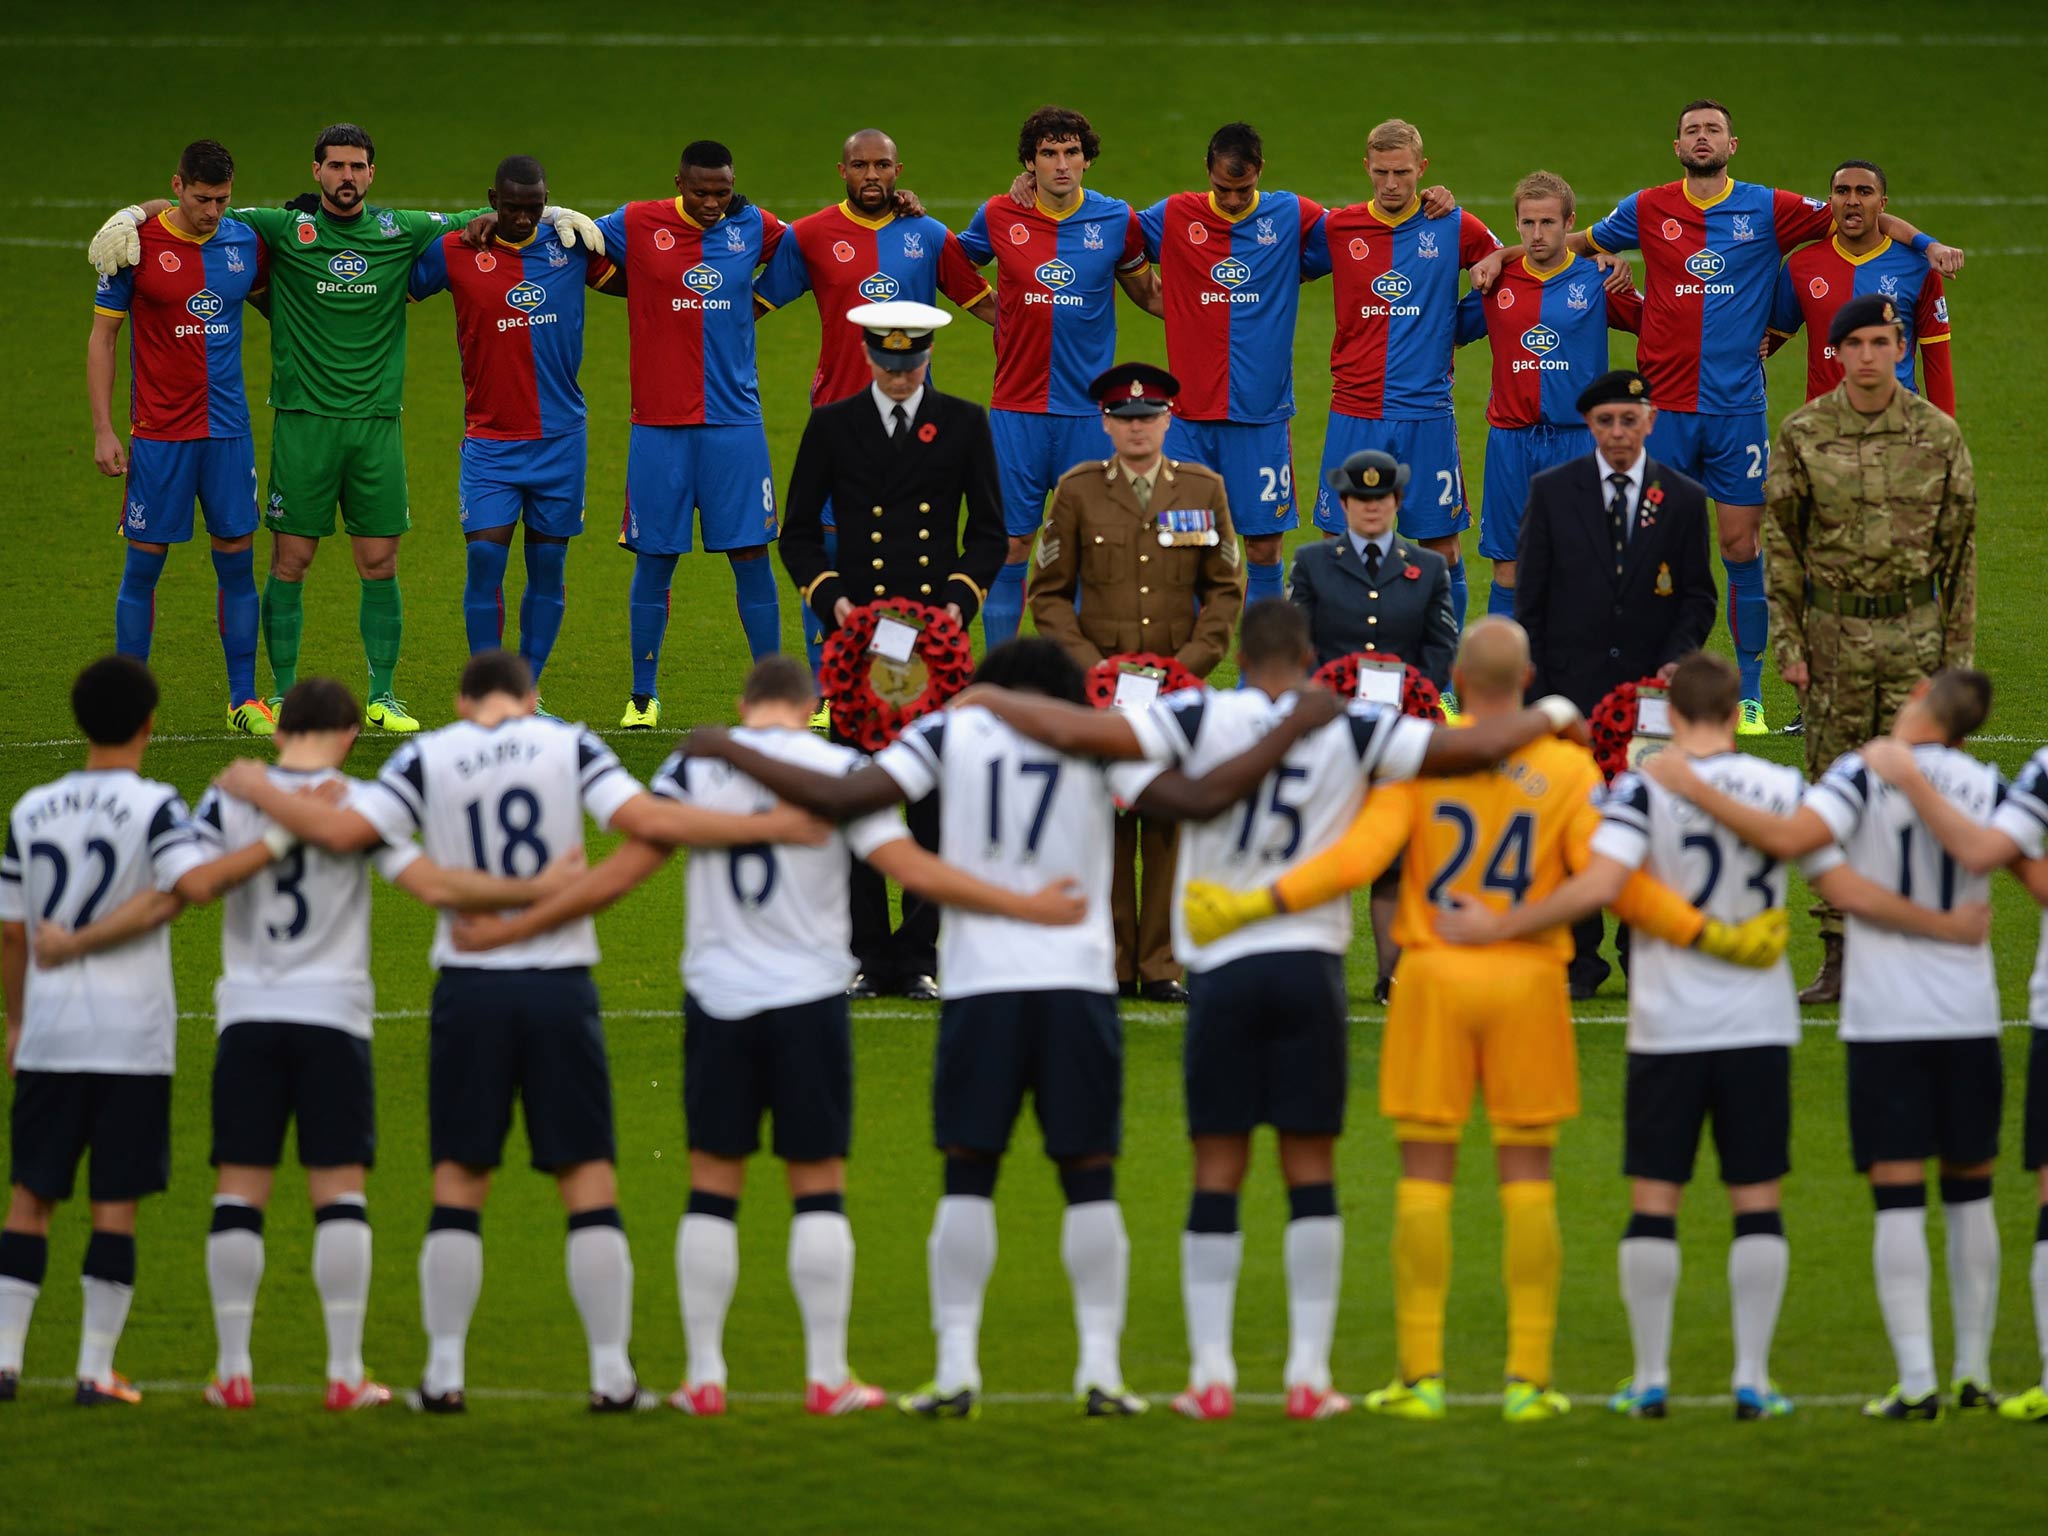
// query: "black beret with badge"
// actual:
[[1868, 309], [1619, 386]]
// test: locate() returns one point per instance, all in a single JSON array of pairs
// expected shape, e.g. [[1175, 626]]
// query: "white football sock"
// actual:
[[821, 1274], [1757, 1265], [451, 1276], [600, 1264], [960, 1256], [1904, 1278], [1097, 1253], [1209, 1262], [707, 1271], [2039, 1276], [234, 1271], [106, 1314], [341, 1274], [1649, 1288], [18, 1305], [1315, 1263], [1972, 1285]]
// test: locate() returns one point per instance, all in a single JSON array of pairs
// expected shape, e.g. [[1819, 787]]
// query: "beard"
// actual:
[[872, 196], [1711, 164], [343, 196]]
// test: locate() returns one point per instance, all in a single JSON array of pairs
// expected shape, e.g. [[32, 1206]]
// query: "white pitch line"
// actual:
[[990, 1399], [910, 43]]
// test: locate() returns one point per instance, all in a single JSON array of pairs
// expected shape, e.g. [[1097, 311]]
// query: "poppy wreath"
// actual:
[[1419, 697], [861, 715], [1103, 675], [1613, 724]]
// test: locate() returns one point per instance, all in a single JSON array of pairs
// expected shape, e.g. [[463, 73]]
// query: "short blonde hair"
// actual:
[[1545, 184], [1395, 133]]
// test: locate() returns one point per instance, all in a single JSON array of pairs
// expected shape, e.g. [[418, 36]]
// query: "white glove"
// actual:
[[118, 243], [279, 842], [1560, 711], [571, 228]]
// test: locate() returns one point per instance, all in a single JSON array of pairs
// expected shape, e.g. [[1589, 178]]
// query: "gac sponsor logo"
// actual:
[[204, 305], [702, 279], [881, 286], [1706, 265], [1539, 339], [1055, 274], [1392, 286], [1231, 273], [348, 266]]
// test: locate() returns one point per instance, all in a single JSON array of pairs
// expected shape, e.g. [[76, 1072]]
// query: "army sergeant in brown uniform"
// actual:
[[1104, 584]]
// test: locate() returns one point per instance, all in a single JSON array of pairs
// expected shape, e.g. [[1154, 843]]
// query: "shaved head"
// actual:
[[867, 138], [1493, 659]]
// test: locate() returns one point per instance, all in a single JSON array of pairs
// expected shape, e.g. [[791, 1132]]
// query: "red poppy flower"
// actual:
[[1419, 697], [927, 432], [1654, 496], [1411, 572], [860, 714], [1101, 680], [1613, 726]]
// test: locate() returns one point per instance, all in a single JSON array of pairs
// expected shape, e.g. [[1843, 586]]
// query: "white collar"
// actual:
[[1634, 472], [888, 407]]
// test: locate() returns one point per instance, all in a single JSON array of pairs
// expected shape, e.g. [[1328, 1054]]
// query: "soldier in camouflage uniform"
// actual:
[[1870, 537]]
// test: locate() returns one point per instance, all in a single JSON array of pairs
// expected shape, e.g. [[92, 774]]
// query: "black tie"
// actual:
[[899, 422], [1372, 563], [1617, 516]]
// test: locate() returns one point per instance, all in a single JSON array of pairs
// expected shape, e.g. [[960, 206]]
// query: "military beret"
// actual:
[[1869, 309], [1368, 472], [1135, 389], [1619, 385]]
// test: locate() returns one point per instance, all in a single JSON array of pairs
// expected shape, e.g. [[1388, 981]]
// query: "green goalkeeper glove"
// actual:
[[574, 229], [118, 243]]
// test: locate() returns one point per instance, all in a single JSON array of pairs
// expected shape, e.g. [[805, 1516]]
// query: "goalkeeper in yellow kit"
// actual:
[[1498, 1019]]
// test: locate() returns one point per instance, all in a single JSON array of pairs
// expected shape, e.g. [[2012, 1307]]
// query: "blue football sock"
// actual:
[[1004, 611], [1500, 600], [543, 603], [814, 632], [1461, 595], [760, 607], [1749, 621], [647, 615], [236, 574], [135, 604], [1264, 581], [483, 595]]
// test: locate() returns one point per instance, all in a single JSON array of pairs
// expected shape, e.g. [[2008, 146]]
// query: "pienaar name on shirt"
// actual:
[[496, 754], [94, 799]]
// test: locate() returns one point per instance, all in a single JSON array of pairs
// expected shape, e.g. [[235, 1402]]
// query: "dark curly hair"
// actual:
[[1050, 125]]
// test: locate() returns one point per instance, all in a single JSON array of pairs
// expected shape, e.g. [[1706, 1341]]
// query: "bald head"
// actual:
[[1493, 662], [869, 167]]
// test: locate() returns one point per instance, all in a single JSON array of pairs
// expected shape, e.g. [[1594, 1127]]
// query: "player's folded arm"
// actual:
[[1476, 747], [654, 818], [630, 864], [1866, 900], [1203, 797], [1074, 729], [835, 797]]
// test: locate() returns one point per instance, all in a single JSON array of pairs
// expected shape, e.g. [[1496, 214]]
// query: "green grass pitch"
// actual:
[[96, 105]]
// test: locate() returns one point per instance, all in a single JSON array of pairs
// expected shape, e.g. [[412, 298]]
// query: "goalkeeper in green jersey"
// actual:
[[337, 355]]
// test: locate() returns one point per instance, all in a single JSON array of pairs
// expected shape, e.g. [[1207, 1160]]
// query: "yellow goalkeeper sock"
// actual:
[[1532, 1264], [1422, 1274]]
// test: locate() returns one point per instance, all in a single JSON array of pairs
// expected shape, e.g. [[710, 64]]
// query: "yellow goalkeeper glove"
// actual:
[[1757, 943], [1213, 910]]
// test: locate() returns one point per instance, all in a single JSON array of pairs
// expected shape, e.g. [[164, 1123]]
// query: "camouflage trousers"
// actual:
[[1859, 673]]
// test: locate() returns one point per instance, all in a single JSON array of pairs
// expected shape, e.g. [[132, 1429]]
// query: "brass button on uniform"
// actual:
[[1372, 594], [1143, 590], [1098, 538], [876, 536], [878, 511], [924, 506], [926, 589], [924, 559], [1373, 619], [1142, 559], [924, 533], [877, 562], [880, 589]]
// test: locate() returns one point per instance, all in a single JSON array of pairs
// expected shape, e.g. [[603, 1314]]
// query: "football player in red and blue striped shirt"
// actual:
[[519, 327], [1394, 268], [867, 248], [1711, 247], [1056, 262], [1547, 321], [1230, 275], [1816, 280], [698, 445], [188, 414]]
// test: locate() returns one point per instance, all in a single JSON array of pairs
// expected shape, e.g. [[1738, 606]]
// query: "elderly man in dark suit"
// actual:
[[895, 462], [1614, 576], [1368, 589]]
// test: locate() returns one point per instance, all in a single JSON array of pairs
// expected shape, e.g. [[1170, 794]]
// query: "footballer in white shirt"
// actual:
[[1266, 776], [91, 1037], [766, 1030], [505, 791], [2017, 838], [1920, 1019]]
